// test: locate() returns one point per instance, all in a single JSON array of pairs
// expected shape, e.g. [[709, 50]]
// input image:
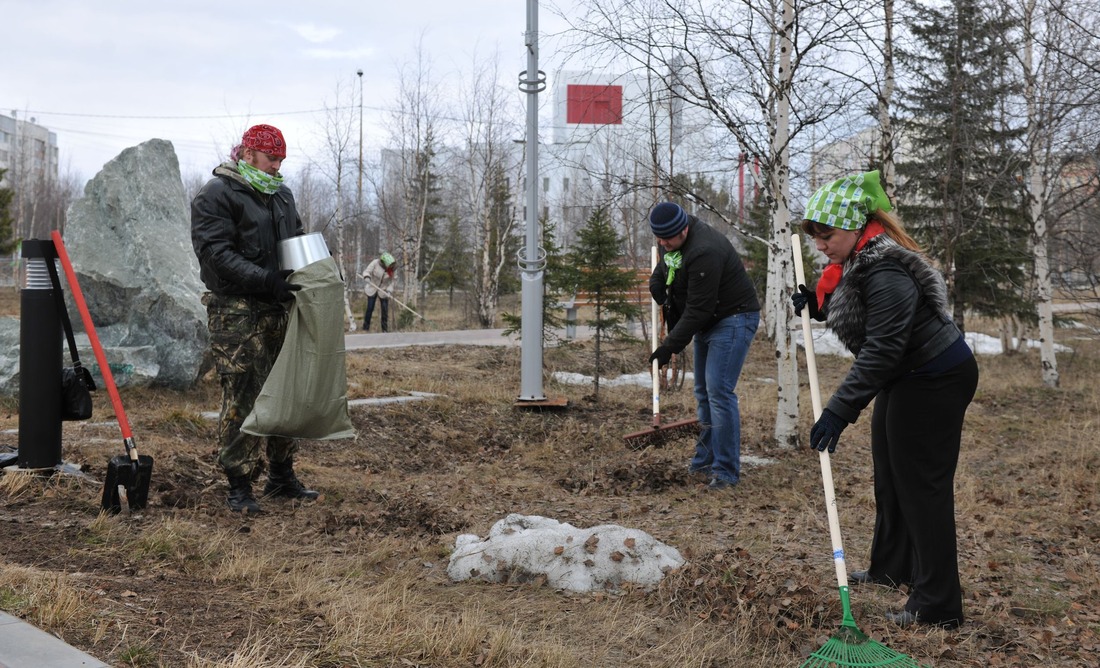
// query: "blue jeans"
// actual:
[[720, 353]]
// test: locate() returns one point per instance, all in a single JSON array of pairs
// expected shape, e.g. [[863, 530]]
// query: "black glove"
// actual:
[[276, 284], [806, 298], [826, 431], [663, 355]]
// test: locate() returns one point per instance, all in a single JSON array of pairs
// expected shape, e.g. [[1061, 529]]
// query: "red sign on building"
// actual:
[[596, 105]]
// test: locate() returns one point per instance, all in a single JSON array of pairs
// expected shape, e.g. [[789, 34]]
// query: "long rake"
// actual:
[[849, 646]]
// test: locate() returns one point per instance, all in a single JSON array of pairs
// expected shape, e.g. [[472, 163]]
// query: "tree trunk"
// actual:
[[1037, 199], [780, 267]]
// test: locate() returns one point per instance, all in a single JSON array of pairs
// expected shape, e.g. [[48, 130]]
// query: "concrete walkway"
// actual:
[[468, 337], [25, 646]]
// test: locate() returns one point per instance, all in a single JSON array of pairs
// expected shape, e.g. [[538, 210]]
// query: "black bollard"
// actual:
[[39, 361]]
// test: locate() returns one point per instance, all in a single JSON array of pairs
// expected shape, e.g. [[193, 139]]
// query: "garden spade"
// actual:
[[128, 475]]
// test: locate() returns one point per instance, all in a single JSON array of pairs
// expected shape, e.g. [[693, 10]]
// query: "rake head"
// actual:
[[850, 647], [658, 436]]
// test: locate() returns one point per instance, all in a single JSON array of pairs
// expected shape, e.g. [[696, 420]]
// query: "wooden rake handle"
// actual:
[[815, 397], [655, 340]]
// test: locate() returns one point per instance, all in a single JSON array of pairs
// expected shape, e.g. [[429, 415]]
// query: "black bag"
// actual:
[[76, 381], [76, 393]]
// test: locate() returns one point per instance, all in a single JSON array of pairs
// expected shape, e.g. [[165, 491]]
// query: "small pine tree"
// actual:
[[559, 283], [7, 243], [597, 255], [452, 266]]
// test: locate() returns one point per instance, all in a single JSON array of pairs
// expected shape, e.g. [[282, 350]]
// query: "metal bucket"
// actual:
[[297, 252]]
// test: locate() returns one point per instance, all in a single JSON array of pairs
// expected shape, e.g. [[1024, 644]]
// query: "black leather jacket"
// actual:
[[235, 231], [890, 310], [711, 284]]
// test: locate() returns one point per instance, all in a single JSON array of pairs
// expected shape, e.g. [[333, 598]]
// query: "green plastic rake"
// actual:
[[849, 646]]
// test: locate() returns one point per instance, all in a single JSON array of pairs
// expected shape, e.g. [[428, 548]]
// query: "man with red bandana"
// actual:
[[237, 220]]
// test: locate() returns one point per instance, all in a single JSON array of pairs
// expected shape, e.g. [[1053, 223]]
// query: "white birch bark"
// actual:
[[780, 267]]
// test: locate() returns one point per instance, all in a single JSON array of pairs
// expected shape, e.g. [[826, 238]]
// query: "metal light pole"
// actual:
[[533, 262], [359, 187]]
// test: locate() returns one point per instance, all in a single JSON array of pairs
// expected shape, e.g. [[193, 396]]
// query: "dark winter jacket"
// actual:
[[235, 231], [890, 311], [710, 285]]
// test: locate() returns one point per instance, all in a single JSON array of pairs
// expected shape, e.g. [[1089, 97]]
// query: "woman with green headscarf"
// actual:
[[888, 305]]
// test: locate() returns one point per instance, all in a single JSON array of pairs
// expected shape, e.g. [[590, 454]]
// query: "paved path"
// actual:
[[469, 337], [24, 646]]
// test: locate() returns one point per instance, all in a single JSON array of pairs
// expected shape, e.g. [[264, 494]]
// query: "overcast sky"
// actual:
[[109, 74]]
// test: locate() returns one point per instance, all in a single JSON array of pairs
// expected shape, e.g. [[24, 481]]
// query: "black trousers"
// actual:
[[385, 306], [916, 430]]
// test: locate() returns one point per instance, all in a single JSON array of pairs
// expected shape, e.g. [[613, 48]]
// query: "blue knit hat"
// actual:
[[667, 220]]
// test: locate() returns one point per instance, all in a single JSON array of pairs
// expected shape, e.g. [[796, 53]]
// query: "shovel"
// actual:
[[127, 475]]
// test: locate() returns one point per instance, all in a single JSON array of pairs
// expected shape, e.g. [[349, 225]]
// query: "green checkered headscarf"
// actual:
[[847, 202]]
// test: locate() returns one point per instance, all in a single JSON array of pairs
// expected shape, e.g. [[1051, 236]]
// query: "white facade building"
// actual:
[[26, 149]]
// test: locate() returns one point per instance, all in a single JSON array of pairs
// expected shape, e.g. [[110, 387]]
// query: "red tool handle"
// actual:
[[89, 327]]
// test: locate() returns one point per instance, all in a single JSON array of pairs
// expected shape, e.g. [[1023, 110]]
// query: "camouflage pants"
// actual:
[[245, 338]]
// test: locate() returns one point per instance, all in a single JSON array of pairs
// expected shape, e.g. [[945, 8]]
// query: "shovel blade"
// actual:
[[134, 480]]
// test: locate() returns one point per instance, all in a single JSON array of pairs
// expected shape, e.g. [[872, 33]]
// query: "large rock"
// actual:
[[129, 239]]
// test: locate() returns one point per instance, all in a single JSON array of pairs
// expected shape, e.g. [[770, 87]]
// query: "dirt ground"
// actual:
[[157, 589]]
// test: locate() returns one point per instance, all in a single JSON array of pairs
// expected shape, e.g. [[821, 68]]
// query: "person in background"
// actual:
[[379, 278], [709, 297], [237, 219], [888, 305]]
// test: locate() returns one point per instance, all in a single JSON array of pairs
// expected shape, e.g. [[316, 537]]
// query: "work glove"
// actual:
[[805, 298], [663, 355], [276, 284], [826, 431]]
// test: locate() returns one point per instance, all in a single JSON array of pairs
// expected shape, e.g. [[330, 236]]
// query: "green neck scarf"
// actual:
[[261, 181], [673, 260]]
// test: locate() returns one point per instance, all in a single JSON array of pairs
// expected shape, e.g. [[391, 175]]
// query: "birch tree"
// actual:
[[763, 73], [489, 121], [406, 188], [1061, 99], [338, 131]]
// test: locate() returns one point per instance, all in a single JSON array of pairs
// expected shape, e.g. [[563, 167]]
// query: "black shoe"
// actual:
[[718, 485], [905, 619], [240, 496], [857, 578], [282, 482]]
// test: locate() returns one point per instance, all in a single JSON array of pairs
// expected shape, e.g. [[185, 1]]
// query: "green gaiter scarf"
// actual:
[[261, 181], [673, 260]]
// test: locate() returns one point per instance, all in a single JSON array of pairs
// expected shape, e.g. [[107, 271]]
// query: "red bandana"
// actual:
[[830, 276], [265, 139]]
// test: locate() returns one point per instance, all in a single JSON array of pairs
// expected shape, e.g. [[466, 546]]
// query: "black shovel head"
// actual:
[[132, 477]]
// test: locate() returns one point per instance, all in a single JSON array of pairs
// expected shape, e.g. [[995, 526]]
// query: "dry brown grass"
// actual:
[[358, 578]]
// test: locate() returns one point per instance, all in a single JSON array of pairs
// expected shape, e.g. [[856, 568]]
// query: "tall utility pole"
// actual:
[[359, 187]]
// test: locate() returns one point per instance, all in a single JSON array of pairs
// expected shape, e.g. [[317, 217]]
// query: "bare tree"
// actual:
[[1061, 98], [764, 73], [490, 120], [406, 187], [338, 131]]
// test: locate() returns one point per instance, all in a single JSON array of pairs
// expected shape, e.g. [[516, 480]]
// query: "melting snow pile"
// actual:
[[524, 547]]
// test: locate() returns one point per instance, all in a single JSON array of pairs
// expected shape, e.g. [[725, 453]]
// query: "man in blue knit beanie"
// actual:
[[707, 296]]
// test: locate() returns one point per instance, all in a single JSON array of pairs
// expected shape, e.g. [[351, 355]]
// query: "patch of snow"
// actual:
[[524, 547]]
